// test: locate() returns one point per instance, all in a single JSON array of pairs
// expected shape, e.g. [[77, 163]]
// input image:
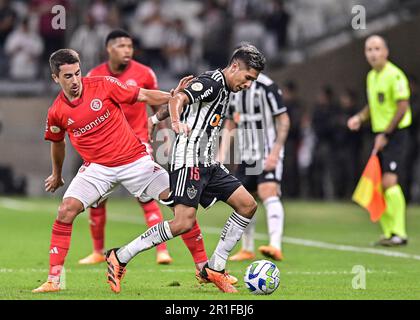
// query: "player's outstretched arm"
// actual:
[[157, 97], [55, 180], [227, 134]]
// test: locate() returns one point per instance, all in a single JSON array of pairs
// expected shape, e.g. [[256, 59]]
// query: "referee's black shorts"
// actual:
[[392, 157], [192, 186]]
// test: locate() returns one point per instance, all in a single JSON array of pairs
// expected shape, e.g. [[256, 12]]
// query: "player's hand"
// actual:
[[354, 123], [181, 128], [53, 182], [183, 83], [380, 142], [150, 129], [271, 162]]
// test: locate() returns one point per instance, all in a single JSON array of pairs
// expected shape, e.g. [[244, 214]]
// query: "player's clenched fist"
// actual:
[[53, 182]]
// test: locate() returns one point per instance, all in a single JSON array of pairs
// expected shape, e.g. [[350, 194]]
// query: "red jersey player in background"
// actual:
[[121, 65]]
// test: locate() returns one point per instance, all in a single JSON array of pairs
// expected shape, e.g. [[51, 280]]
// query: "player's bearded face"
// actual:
[[242, 78], [121, 50], [70, 79]]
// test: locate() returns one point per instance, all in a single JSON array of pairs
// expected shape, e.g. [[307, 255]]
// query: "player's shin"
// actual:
[[153, 216], [231, 234], [275, 220], [97, 228], [60, 244], [193, 239], [153, 236]]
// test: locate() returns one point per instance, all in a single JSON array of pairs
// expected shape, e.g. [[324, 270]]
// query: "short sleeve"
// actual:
[[203, 89], [120, 92], [275, 100], [54, 130], [151, 80], [400, 87]]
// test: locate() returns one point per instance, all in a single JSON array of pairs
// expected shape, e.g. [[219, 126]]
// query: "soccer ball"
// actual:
[[262, 277]]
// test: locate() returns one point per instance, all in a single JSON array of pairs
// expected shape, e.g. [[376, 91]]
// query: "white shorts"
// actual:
[[143, 178]]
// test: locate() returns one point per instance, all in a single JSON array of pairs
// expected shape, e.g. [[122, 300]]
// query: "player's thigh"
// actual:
[[144, 178], [188, 185], [91, 184]]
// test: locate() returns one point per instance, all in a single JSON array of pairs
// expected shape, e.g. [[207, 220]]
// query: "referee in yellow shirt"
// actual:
[[390, 115]]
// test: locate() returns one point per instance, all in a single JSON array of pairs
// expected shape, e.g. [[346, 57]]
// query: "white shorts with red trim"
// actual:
[[143, 178]]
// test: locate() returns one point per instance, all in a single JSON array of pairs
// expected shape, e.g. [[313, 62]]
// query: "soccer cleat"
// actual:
[[116, 270], [93, 258], [271, 252], [48, 286], [232, 279], [393, 241], [219, 278], [243, 255], [163, 257]]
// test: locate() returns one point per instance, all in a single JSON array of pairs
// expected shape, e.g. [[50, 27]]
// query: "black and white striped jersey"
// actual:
[[208, 96], [254, 111]]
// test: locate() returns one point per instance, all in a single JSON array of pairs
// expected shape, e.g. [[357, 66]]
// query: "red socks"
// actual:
[[153, 216], [60, 244], [97, 227], [193, 239]]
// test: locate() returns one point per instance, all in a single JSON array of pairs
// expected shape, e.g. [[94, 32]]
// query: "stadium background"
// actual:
[[314, 54]]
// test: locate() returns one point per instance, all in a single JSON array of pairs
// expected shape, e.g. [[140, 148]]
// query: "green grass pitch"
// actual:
[[323, 243]]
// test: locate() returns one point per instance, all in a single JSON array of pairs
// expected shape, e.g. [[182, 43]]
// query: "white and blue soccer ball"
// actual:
[[262, 277]]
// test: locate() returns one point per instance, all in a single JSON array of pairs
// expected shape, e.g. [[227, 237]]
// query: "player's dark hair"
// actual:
[[249, 54], [118, 33], [61, 57]]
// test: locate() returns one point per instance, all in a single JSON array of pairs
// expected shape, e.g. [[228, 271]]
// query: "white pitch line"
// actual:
[[18, 205], [169, 270]]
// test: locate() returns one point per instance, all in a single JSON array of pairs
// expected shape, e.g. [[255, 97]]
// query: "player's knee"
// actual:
[[68, 210], [248, 208]]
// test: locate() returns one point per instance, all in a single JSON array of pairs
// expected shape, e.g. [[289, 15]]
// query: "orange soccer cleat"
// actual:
[[243, 255], [48, 286], [232, 279], [116, 270], [219, 278], [93, 258], [271, 252], [163, 257]]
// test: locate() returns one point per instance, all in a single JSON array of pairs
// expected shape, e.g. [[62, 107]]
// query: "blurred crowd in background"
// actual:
[[324, 159]]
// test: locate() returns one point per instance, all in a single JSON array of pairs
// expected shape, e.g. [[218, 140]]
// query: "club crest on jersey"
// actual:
[[131, 83], [96, 104], [191, 192]]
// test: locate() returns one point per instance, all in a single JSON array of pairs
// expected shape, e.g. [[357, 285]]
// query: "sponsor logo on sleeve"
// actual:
[[131, 83], [197, 86], [55, 129]]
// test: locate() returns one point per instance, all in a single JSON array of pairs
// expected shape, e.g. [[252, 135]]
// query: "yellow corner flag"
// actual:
[[368, 193]]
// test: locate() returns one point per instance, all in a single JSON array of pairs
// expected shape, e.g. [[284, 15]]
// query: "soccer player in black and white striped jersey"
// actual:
[[196, 178], [263, 125]]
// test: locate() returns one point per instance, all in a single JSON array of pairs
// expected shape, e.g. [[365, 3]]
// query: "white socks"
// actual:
[[248, 236], [152, 237], [231, 234], [275, 220]]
